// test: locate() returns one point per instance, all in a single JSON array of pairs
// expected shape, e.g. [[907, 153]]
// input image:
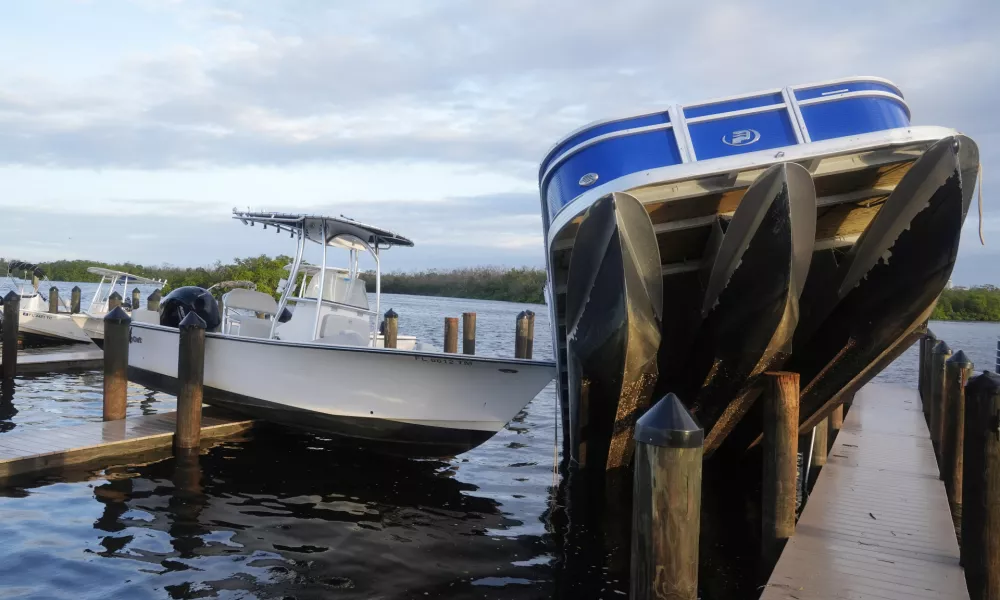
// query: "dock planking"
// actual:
[[61, 358], [34, 451], [877, 524]]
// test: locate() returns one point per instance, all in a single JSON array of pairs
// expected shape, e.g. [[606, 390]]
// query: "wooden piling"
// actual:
[[11, 310], [522, 334], [939, 356], [74, 299], [780, 446], [153, 301], [136, 298], [981, 488], [531, 333], [836, 422], [114, 301], [469, 333], [957, 370], [116, 328], [391, 322], [190, 381], [821, 447], [927, 344], [666, 514], [921, 355], [451, 335], [54, 300]]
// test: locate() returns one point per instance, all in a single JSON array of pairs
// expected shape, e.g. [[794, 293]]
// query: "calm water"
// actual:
[[289, 515]]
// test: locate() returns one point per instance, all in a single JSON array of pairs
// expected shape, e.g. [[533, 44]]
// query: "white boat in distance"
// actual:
[[84, 327], [319, 366]]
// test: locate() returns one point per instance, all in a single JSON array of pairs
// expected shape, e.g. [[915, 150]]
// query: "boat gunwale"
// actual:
[[332, 347], [754, 94], [834, 147]]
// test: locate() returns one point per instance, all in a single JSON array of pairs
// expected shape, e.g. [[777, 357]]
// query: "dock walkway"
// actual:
[[877, 524], [44, 450], [61, 358]]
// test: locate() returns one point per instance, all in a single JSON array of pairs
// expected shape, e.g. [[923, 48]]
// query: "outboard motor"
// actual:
[[178, 303]]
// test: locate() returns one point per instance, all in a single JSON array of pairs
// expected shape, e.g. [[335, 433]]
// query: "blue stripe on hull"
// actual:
[[611, 159], [853, 116], [720, 129]]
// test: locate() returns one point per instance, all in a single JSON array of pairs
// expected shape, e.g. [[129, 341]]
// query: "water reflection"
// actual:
[[7, 410], [282, 515]]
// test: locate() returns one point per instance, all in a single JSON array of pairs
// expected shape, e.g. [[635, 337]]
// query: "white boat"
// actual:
[[86, 326], [34, 319], [316, 361]]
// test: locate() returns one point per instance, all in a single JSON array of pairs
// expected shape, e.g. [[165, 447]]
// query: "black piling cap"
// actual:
[[391, 314], [930, 335], [959, 358], [115, 295], [76, 288], [192, 321], [668, 424], [118, 315], [53, 290], [941, 348], [11, 296], [988, 383]]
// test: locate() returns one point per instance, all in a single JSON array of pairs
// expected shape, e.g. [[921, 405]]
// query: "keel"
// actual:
[[751, 303]]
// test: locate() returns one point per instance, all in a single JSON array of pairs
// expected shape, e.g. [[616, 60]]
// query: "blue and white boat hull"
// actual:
[[691, 168]]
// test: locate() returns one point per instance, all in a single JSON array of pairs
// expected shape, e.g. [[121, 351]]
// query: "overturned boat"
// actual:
[[808, 228], [316, 358]]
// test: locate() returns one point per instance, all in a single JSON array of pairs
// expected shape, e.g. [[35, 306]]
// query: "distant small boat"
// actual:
[[314, 359], [809, 228], [85, 326]]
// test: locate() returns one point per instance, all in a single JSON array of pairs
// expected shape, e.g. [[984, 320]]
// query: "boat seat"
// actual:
[[250, 327], [251, 300], [344, 337]]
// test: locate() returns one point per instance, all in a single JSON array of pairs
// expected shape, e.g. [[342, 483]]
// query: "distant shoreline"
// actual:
[[975, 304], [520, 284]]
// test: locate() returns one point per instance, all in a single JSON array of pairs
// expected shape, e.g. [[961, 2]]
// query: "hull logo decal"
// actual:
[[741, 137], [588, 180]]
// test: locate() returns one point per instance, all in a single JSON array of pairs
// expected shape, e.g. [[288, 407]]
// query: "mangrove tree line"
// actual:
[[486, 283]]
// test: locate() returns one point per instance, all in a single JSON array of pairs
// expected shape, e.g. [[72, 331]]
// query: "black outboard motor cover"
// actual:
[[178, 303]]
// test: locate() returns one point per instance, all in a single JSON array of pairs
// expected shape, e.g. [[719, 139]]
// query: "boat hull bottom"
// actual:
[[383, 435]]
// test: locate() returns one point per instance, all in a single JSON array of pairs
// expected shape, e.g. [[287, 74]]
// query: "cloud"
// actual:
[[503, 229], [474, 83], [430, 117]]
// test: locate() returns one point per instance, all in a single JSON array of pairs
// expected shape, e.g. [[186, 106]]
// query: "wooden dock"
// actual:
[[877, 524], [61, 358], [108, 442]]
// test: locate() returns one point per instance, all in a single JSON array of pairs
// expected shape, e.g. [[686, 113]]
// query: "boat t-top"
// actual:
[[315, 358]]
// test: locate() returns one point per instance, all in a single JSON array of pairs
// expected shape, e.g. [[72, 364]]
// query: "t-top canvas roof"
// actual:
[[337, 228], [117, 276]]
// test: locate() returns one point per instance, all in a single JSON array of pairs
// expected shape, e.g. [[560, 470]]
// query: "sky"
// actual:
[[130, 129]]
